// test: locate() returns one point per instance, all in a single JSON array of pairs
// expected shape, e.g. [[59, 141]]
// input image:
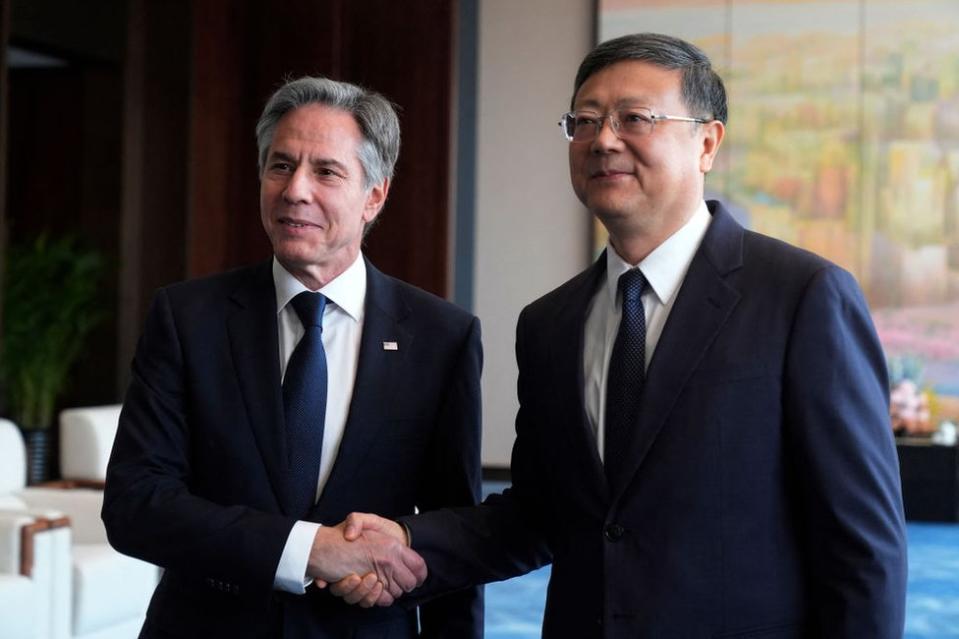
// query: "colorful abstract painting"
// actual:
[[843, 138]]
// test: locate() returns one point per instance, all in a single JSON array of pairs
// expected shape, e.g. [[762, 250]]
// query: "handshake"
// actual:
[[365, 560]]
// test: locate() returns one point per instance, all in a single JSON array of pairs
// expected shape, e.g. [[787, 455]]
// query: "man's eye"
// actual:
[[585, 120], [281, 166], [634, 117]]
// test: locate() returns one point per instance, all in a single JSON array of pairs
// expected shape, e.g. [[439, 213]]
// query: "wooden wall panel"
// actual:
[[64, 173], [220, 154], [4, 115], [405, 51], [44, 185], [156, 161]]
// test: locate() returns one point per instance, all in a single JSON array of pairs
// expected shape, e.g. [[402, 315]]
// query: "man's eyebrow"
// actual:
[[315, 163], [631, 101], [321, 163], [279, 155]]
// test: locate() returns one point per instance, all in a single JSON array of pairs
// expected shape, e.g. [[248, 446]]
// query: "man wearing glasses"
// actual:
[[703, 443]]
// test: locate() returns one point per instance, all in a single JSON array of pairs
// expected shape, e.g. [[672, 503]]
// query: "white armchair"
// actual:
[[108, 593], [19, 593], [86, 439], [33, 573], [34, 554]]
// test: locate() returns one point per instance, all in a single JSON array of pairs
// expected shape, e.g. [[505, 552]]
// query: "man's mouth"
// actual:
[[296, 224], [602, 173]]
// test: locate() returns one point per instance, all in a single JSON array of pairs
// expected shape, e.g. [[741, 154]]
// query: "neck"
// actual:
[[633, 250], [316, 276], [640, 236]]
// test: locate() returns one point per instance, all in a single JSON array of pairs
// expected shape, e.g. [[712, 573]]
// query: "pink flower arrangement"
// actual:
[[909, 409]]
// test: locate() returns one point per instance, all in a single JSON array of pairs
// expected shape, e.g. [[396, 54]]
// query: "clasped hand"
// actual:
[[366, 545]]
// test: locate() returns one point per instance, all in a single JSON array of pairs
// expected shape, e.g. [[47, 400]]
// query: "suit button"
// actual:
[[613, 532]]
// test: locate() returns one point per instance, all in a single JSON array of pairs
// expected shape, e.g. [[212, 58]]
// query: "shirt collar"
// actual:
[[664, 268], [347, 290]]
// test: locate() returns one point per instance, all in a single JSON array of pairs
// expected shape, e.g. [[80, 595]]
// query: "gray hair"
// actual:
[[374, 114], [702, 88]]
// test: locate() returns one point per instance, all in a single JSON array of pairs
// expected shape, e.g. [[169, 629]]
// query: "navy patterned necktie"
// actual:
[[304, 404], [627, 373]]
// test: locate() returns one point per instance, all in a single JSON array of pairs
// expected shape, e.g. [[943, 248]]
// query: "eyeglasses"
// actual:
[[633, 122]]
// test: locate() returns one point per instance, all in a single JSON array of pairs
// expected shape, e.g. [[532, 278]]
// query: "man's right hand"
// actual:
[[376, 551], [367, 591]]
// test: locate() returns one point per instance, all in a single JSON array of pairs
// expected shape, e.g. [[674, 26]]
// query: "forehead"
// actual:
[[631, 82], [317, 124]]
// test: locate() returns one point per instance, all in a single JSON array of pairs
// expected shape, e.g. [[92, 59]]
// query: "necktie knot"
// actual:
[[631, 284], [309, 308]]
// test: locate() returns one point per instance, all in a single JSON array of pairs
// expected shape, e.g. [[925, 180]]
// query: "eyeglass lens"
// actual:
[[585, 125]]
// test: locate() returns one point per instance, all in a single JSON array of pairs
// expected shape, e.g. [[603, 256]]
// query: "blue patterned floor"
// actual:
[[514, 608], [932, 598]]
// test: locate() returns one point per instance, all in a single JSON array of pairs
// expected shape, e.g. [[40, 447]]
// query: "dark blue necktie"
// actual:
[[304, 404], [627, 373]]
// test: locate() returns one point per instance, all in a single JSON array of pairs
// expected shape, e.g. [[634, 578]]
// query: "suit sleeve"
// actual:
[[503, 537], [454, 478], [149, 511], [837, 421]]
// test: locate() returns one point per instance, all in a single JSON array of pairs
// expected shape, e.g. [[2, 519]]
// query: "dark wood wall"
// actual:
[[64, 179], [4, 115], [163, 146]]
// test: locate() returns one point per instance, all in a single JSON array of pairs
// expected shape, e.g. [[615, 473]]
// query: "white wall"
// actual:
[[532, 234]]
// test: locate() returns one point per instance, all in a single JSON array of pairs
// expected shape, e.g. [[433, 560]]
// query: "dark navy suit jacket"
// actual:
[[761, 498], [194, 481]]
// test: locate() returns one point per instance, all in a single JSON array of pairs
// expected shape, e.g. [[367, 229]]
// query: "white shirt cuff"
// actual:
[[291, 571]]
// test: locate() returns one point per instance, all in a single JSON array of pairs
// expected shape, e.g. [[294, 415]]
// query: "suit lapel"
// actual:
[[384, 311], [702, 307], [252, 331], [565, 347]]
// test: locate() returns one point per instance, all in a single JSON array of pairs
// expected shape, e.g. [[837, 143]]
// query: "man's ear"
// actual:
[[375, 200], [713, 133]]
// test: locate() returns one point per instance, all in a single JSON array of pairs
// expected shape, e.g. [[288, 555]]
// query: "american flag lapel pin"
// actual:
[[390, 346]]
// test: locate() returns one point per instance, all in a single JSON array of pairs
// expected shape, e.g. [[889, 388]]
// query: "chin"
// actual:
[[293, 253], [606, 210]]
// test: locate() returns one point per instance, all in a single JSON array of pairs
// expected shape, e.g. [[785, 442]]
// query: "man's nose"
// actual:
[[606, 137], [298, 187]]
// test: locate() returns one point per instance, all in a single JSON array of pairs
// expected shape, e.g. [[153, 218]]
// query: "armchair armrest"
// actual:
[[38, 548], [70, 484], [19, 539], [16, 542]]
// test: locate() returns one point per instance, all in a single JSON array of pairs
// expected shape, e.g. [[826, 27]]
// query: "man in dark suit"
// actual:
[[703, 443], [268, 402]]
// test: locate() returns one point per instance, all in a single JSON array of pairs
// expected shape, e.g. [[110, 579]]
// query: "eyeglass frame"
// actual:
[[615, 123]]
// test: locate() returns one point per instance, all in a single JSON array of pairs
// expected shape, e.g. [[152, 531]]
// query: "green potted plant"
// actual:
[[50, 305]]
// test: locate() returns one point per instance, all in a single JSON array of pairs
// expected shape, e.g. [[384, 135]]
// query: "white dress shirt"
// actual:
[[664, 269], [342, 330]]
